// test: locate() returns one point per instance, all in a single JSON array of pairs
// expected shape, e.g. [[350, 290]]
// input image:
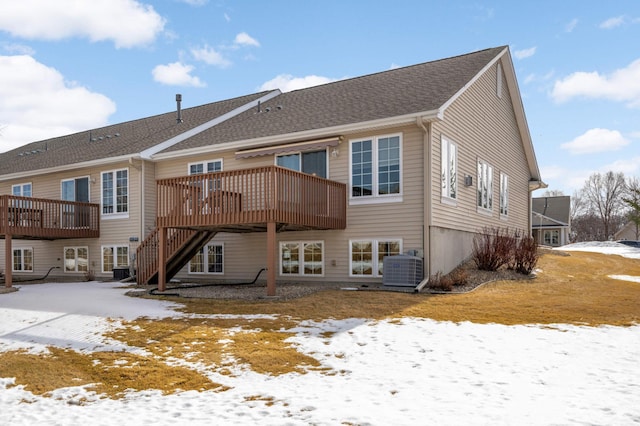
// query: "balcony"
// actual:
[[247, 200], [44, 219]]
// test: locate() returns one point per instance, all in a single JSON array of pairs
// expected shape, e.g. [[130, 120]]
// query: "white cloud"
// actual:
[[37, 103], [18, 49], [525, 53], [210, 56], [176, 74], [612, 22], [287, 83], [623, 85], [245, 39], [195, 2], [628, 166], [571, 25], [127, 23], [596, 140]]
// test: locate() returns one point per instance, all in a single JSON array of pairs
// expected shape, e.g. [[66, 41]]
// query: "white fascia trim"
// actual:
[[92, 163], [147, 154], [309, 134]]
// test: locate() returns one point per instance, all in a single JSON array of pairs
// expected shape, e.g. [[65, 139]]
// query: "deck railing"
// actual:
[[251, 197], [28, 217]]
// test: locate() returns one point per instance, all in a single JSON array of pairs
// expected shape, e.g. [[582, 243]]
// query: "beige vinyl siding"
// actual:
[[112, 231], [245, 254], [484, 128]]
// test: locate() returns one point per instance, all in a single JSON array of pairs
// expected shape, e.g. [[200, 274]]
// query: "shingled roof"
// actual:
[[409, 90], [114, 141], [551, 211]]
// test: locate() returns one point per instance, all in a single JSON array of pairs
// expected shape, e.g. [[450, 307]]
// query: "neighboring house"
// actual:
[[318, 184], [551, 220], [630, 231]]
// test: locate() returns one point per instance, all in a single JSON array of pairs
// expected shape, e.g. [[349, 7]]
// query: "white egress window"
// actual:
[[302, 258], [114, 257], [366, 256], [23, 260], [76, 259], [209, 260]]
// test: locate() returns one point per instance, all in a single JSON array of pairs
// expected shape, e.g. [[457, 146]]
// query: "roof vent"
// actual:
[[178, 100]]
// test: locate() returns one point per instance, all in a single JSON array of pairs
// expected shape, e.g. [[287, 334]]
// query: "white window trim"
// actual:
[[504, 190], [481, 209], [205, 269], [115, 215], [375, 199], [204, 163], [115, 256], [285, 154], [22, 249], [21, 186], [64, 258], [301, 257], [374, 256], [445, 197]]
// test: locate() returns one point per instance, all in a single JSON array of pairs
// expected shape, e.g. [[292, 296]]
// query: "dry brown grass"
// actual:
[[571, 289]]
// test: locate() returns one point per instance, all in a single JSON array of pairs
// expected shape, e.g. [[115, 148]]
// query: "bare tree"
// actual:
[[578, 205], [603, 193], [632, 199], [553, 193]]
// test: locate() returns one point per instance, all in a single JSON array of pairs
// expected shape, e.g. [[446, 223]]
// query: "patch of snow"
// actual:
[[605, 247], [625, 278]]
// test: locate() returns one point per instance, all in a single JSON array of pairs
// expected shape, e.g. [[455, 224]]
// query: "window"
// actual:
[[23, 260], [207, 185], [76, 189], [485, 185], [208, 260], [114, 257], [367, 256], [552, 237], [313, 162], [115, 192], [21, 190], [76, 259], [375, 169], [449, 166], [504, 194], [302, 258]]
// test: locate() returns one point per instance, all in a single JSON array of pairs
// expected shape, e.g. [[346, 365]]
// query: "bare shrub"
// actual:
[[526, 255], [440, 282], [459, 277], [493, 248], [89, 275]]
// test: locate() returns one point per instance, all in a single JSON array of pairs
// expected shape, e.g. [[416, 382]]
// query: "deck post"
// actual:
[[162, 259], [271, 259], [8, 261]]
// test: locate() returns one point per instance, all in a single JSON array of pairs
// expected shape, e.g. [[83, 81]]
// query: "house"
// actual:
[[317, 184], [629, 232], [551, 220]]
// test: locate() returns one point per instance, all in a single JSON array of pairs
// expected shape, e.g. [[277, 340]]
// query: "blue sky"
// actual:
[[72, 65]]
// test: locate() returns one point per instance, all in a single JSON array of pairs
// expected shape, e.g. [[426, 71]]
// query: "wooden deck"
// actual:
[[44, 219], [263, 199], [28, 218], [246, 200]]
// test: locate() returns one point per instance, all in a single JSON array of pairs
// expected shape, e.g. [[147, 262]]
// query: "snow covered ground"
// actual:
[[413, 371]]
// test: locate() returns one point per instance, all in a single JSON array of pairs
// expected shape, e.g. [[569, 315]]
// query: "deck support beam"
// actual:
[[162, 259], [272, 260], [8, 261]]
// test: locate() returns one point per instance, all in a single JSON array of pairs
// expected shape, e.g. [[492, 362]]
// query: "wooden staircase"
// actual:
[[182, 245]]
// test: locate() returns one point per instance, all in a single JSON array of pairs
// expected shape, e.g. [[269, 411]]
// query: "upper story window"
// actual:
[[449, 168], [312, 162], [22, 189], [504, 194], [76, 189], [205, 167], [376, 169], [485, 186], [115, 192]]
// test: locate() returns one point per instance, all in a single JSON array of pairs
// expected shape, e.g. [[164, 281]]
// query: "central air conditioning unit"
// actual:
[[401, 271]]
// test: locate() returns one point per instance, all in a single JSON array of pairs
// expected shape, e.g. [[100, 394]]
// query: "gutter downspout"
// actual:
[[427, 197]]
